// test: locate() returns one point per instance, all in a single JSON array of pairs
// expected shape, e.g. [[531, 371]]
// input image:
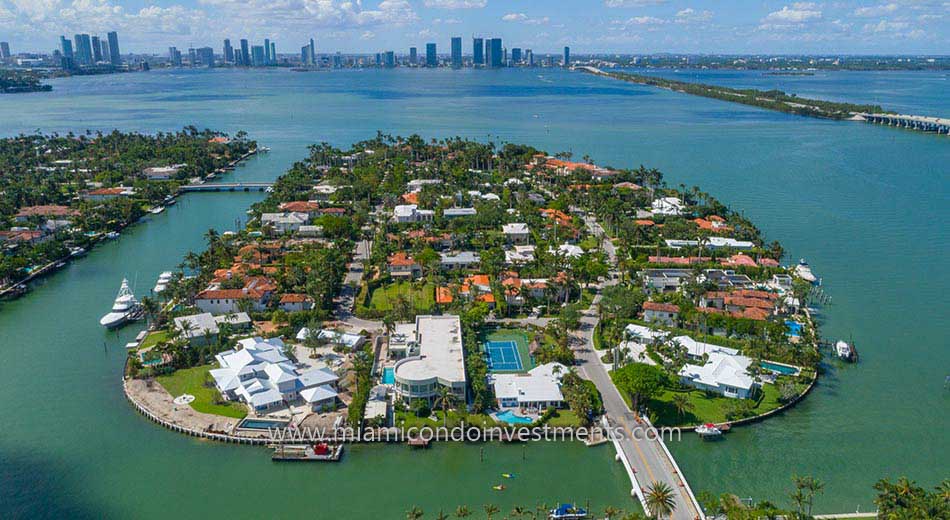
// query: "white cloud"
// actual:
[[798, 13], [644, 20], [514, 17], [691, 15], [446, 21], [456, 4], [875, 10], [885, 26], [367, 35]]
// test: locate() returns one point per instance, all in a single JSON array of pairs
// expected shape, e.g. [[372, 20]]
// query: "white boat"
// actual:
[[708, 430], [162, 282], [845, 351], [156, 210], [112, 235], [803, 270], [76, 251], [124, 307]]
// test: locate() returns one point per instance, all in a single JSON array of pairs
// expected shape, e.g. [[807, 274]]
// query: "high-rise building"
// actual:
[[516, 55], [389, 59], [267, 58], [96, 50], [529, 57], [4, 50], [567, 56], [305, 55], [478, 56], [206, 56], [413, 56], [257, 56], [432, 59], [496, 56], [192, 57], [337, 60], [83, 49], [245, 53], [228, 51], [456, 52], [273, 52], [115, 57], [174, 57], [66, 47], [313, 53]]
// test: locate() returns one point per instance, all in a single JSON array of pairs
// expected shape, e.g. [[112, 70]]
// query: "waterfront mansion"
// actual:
[[434, 359]]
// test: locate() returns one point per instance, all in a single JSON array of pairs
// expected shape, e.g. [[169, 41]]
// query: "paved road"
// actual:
[[344, 302]]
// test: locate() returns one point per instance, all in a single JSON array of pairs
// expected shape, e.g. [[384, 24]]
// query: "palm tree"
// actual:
[[518, 511], [445, 400], [660, 499], [611, 511], [414, 513], [682, 403], [490, 510], [462, 512], [442, 515]]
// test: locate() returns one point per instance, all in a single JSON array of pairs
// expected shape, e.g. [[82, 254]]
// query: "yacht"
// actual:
[[112, 235], [568, 512], [76, 251], [156, 210], [124, 307], [803, 270], [162, 282], [845, 351]]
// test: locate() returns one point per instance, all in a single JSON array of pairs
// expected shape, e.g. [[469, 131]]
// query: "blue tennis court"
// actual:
[[503, 356]]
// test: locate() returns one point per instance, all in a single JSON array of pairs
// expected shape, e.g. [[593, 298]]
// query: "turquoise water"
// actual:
[[512, 418], [866, 205], [389, 376], [781, 369], [794, 328]]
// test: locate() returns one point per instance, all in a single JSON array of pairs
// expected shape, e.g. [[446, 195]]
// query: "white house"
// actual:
[[538, 389], [334, 337], [459, 212], [667, 206], [284, 222], [520, 255], [711, 243], [516, 233], [258, 373], [460, 260], [568, 251], [644, 335], [407, 213], [723, 373], [199, 324], [436, 362], [665, 313]]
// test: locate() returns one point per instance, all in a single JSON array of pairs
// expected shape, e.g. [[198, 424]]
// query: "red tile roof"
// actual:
[[50, 210], [662, 307], [401, 259]]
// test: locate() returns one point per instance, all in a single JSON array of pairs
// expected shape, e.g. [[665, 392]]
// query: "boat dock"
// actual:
[[308, 453]]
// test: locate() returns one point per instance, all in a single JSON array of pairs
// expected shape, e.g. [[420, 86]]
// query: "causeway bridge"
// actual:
[[939, 125], [227, 186]]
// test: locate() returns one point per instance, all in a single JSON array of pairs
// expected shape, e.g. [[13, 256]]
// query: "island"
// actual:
[[14, 82], [410, 283], [62, 194]]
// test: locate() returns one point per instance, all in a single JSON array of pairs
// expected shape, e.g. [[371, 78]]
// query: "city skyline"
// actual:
[[603, 26]]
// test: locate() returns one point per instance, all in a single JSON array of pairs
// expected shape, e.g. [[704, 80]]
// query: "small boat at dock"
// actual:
[[125, 308], [76, 251], [846, 351], [156, 210], [308, 452], [112, 235], [709, 431], [803, 270]]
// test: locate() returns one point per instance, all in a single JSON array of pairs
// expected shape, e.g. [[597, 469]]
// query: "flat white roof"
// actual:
[[698, 348], [515, 228], [440, 351]]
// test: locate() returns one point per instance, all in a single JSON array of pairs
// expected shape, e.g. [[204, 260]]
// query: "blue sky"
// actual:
[[622, 26]]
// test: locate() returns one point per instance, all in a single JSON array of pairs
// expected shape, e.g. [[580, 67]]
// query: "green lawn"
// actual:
[[423, 297], [154, 338], [455, 417], [706, 409], [192, 381], [564, 418]]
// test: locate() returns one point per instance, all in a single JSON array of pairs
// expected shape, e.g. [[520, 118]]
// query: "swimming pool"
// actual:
[[389, 376], [509, 417], [787, 370], [794, 328], [261, 424]]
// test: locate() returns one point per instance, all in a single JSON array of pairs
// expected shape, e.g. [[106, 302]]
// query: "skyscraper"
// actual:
[[313, 53], [174, 57], [431, 58], [245, 53], [478, 56], [267, 58], [495, 60], [567, 56], [413, 56], [66, 46], [456, 52], [305, 55], [529, 57], [4, 50], [115, 57], [96, 50], [228, 51], [205, 56], [516, 56], [273, 52], [257, 56], [83, 49], [389, 59]]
